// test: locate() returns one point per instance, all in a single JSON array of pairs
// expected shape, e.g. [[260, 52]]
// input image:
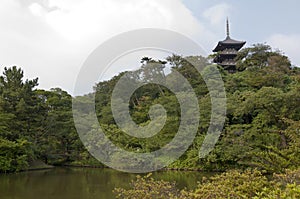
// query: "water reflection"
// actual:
[[73, 183]]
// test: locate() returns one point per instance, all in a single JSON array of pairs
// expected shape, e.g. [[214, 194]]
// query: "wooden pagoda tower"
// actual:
[[227, 51]]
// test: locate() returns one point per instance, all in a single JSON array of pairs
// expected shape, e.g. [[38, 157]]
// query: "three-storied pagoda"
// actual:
[[227, 51]]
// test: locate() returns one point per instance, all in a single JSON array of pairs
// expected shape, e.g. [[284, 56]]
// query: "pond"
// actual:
[[80, 183]]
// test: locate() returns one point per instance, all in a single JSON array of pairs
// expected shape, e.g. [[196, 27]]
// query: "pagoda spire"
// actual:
[[227, 27]]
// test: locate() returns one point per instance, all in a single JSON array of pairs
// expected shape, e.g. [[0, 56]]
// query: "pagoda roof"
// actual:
[[229, 43]]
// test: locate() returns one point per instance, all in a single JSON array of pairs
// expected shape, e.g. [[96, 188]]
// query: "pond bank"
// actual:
[[38, 165]]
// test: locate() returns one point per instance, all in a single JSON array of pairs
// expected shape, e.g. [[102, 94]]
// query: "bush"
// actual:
[[14, 155], [148, 188], [231, 184]]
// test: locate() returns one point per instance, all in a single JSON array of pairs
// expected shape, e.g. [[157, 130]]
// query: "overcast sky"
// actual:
[[51, 39]]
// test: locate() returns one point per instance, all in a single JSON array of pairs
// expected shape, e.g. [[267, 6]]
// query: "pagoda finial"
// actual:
[[227, 23]]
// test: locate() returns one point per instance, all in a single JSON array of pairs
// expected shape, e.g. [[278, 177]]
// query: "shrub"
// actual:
[[232, 184], [148, 188]]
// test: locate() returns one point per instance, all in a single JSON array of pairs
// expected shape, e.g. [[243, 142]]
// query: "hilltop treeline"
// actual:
[[261, 128]]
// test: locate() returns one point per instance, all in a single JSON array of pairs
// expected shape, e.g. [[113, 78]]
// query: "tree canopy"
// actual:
[[261, 128]]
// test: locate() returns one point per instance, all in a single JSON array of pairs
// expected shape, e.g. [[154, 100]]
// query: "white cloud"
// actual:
[[216, 14], [289, 44], [37, 9], [50, 39], [81, 19]]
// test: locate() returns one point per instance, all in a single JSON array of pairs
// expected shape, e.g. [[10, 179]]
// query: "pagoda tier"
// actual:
[[229, 43], [227, 51], [222, 58]]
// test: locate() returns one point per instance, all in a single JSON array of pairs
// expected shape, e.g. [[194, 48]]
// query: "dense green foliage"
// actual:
[[231, 184], [262, 120], [261, 129], [34, 124]]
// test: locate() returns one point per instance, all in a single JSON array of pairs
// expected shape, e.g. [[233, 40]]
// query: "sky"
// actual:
[[51, 39]]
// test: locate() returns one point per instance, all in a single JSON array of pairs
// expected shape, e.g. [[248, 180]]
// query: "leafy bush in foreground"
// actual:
[[231, 184], [147, 188]]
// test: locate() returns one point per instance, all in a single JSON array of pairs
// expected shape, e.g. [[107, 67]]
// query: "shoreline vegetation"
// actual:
[[261, 134], [38, 165], [230, 184]]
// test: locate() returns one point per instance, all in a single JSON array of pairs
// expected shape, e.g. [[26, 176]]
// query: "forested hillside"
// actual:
[[262, 127]]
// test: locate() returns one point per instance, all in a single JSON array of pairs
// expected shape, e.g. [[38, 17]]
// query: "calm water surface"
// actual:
[[80, 183]]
